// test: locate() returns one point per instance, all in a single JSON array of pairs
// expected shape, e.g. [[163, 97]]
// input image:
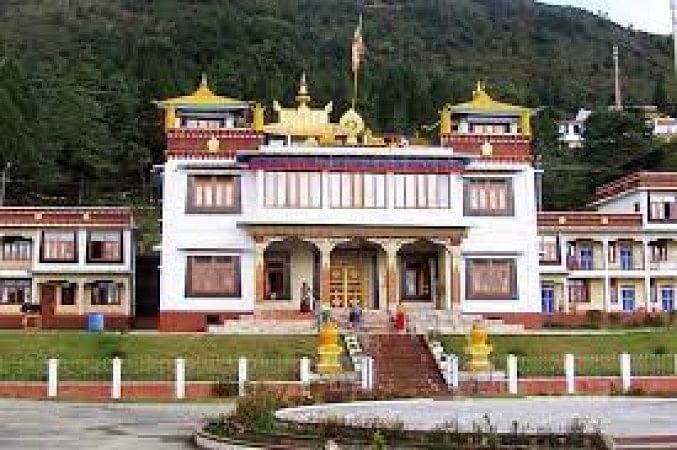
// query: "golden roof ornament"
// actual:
[[303, 96]]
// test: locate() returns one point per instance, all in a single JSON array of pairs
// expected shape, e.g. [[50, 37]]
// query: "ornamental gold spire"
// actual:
[[303, 96]]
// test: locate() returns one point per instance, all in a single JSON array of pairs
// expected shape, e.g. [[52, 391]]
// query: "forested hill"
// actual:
[[77, 76]]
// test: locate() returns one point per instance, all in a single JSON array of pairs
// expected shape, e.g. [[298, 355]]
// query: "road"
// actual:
[[65, 426]]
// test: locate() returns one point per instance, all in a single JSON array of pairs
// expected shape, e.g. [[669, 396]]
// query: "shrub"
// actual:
[[660, 350], [257, 412], [224, 388]]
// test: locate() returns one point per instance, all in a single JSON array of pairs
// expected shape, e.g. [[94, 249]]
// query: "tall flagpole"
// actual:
[[354, 87], [357, 51]]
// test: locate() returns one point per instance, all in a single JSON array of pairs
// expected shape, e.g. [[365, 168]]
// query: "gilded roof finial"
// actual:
[[303, 97], [203, 90]]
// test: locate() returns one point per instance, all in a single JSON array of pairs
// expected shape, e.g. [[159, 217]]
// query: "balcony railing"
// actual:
[[663, 265], [578, 263]]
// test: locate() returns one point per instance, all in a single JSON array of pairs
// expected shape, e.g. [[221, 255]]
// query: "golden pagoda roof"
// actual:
[[483, 103], [304, 120], [202, 96]]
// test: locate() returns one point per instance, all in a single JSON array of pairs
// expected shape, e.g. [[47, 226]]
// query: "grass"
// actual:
[[85, 356], [596, 355]]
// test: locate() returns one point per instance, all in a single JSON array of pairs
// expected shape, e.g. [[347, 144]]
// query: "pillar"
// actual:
[[81, 297], [325, 247], [260, 275], [391, 247], [565, 295], [448, 286], [607, 283], [647, 277], [456, 277]]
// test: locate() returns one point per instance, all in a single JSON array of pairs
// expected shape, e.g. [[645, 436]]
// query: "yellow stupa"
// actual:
[[478, 349], [328, 349]]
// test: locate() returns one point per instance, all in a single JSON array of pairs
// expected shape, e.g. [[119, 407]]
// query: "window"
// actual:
[[15, 292], [488, 197], [612, 252], [213, 276], [68, 294], [59, 246], [662, 207], [579, 291], [491, 279], [426, 191], [104, 246], [15, 248], [415, 277], [213, 194], [659, 250], [105, 293], [277, 267], [357, 190], [548, 249], [293, 189]]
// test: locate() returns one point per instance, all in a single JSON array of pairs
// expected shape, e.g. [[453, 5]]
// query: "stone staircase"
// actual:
[[403, 364], [423, 321], [649, 442], [373, 321]]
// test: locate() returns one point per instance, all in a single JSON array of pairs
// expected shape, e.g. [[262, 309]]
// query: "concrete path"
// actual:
[[66, 426], [618, 416]]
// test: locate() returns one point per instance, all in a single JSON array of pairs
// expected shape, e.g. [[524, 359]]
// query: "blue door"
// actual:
[[548, 299], [628, 296], [626, 257], [668, 298], [586, 258]]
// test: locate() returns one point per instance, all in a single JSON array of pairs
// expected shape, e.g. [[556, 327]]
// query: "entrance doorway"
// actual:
[[628, 296], [548, 298], [347, 283], [668, 298]]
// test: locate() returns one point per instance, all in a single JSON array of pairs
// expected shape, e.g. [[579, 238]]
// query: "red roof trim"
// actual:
[[66, 216], [588, 220], [637, 180]]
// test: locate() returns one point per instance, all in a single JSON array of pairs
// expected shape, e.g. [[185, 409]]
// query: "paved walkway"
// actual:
[[66, 426], [618, 416]]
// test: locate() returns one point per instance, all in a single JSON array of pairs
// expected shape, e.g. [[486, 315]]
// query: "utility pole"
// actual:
[[617, 81], [3, 182], [673, 5]]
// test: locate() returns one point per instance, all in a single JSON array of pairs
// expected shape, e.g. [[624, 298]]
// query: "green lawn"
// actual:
[[542, 355], [84, 356]]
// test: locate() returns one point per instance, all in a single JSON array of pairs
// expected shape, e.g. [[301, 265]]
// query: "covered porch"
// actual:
[[376, 267]]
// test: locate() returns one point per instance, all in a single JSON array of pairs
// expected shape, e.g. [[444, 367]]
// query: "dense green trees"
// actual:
[[77, 77]]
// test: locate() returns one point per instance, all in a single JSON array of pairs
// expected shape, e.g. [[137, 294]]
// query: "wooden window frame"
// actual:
[[354, 203], [237, 196], [417, 258], [17, 241], [75, 257], [238, 278], [471, 295], [118, 260], [75, 294], [558, 251], [468, 211], [25, 281], [118, 289], [416, 193], [289, 202]]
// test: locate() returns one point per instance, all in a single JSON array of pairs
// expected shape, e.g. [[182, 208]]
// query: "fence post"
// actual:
[[674, 363], [52, 377], [241, 375], [626, 365], [304, 371], [511, 365], [570, 373], [364, 373], [116, 387], [180, 378]]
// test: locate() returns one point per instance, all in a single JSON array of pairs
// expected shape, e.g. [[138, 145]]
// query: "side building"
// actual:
[[621, 257], [57, 265], [266, 219]]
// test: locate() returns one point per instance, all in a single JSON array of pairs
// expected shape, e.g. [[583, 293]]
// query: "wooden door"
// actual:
[[347, 284], [48, 299]]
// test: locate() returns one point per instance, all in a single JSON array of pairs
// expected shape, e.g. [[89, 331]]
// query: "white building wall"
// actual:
[[184, 234]]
